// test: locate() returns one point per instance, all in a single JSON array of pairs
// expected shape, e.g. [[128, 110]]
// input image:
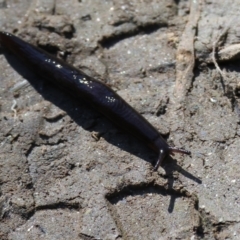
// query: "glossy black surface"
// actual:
[[88, 89]]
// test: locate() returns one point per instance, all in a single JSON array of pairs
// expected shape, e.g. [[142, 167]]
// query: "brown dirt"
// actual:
[[68, 173]]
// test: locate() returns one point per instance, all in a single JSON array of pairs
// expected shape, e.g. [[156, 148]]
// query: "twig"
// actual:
[[13, 108], [214, 51], [186, 55]]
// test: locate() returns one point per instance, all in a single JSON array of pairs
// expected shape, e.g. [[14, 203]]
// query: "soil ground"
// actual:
[[68, 173]]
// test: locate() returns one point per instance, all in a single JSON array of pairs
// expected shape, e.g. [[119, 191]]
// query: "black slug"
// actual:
[[84, 87]]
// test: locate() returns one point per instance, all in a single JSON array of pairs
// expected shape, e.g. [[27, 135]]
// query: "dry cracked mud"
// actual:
[[68, 173]]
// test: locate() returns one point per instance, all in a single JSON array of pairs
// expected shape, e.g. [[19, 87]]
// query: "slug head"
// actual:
[[170, 151]]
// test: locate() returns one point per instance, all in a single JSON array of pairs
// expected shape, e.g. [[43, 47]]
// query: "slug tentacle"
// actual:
[[85, 88], [178, 150], [161, 156]]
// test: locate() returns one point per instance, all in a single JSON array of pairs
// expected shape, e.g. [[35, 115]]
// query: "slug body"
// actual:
[[84, 87]]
